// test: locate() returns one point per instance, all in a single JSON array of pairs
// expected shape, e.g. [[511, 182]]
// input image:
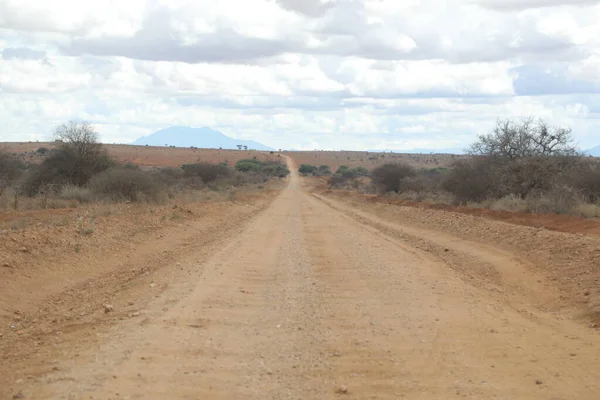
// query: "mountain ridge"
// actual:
[[594, 151], [204, 137]]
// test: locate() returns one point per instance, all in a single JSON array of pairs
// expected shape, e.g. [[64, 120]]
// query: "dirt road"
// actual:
[[309, 301]]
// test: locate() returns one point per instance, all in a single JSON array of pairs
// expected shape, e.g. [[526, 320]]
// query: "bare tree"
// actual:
[[529, 138], [245, 147], [78, 136], [239, 146], [79, 155]]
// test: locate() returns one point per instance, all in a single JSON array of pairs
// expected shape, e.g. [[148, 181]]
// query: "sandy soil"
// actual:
[[306, 297], [149, 156]]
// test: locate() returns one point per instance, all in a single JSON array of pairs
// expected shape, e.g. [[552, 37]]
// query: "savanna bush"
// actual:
[[120, 184]]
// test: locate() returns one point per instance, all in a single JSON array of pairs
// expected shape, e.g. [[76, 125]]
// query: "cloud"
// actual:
[[515, 5], [23, 53], [305, 74], [309, 8]]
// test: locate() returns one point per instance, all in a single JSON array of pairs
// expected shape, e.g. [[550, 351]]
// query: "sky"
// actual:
[[302, 74]]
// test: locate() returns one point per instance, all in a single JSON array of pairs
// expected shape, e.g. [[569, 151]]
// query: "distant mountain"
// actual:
[[594, 151], [185, 136]]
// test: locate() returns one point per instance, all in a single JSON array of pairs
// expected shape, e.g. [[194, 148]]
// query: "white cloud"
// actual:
[[304, 74]]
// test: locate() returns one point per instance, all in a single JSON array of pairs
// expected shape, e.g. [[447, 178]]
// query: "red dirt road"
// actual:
[[312, 299]]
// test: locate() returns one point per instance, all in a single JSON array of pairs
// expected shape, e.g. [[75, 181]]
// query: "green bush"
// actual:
[[306, 169], [359, 171], [324, 170], [341, 170], [275, 169], [248, 165], [119, 184]]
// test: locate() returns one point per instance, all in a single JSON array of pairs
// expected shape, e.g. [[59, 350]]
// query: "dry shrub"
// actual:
[[77, 193], [587, 181], [388, 177], [206, 171], [470, 180], [117, 184]]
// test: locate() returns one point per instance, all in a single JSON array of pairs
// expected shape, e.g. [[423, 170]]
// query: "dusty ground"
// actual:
[[149, 156], [309, 296], [370, 160]]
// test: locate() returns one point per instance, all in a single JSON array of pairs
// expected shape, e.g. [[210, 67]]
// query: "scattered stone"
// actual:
[[538, 382], [342, 389], [24, 250], [19, 395], [135, 314], [7, 265], [152, 284], [587, 293], [130, 303], [446, 250], [108, 308], [572, 354], [13, 326], [492, 331]]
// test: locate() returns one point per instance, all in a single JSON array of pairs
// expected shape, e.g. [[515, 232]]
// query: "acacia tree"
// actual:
[[78, 156], [529, 138], [517, 158], [80, 145]]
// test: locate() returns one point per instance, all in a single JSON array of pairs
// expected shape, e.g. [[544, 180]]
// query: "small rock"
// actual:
[[572, 354], [446, 250], [152, 284], [342, 389], [134, 314], [538, 382], [7, 265], [108, 308], [131, 303], [24, 250], [587, 293], [19, 395], [13, 326]]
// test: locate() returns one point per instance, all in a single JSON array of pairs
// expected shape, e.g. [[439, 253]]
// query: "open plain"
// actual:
[[297, 293]]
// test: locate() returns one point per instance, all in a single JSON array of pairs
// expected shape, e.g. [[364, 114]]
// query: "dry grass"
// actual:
[[552, 203]]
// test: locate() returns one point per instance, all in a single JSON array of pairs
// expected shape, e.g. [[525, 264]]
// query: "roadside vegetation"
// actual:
[[525, 166], [78, 170]]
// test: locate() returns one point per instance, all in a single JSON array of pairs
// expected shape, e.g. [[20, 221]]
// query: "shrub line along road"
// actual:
[[309, 301]]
